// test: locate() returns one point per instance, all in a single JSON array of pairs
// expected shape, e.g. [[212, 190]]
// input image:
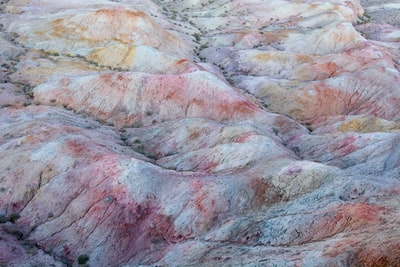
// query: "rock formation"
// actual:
[[199, 133]]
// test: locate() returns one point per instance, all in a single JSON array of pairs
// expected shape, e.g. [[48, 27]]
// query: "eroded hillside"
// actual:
[[199, 133]]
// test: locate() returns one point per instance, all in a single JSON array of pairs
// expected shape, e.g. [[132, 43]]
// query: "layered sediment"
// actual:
[[199, 133]]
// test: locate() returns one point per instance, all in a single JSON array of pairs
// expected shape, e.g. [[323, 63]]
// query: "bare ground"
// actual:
[[381, 11]]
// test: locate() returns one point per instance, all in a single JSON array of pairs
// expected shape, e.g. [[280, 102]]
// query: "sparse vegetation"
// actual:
[[151, 156], [13, 217], [139, 148], [83, 259], [54, 53], [93, 62], [203, 46], [123, 137], [196, 37], [364, 19]]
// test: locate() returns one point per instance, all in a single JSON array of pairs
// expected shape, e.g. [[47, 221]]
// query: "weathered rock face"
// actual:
[[199, 133]]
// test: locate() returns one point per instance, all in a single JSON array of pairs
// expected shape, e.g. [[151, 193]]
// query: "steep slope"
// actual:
[[198, 133]]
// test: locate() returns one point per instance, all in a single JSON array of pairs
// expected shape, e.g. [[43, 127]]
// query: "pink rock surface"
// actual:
[[142, 99], [199, 133]]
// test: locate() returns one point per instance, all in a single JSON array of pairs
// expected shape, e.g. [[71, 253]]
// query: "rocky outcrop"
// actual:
[[198, 133]]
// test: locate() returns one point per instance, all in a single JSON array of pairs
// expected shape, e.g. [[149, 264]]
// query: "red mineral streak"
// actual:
[[196, 185], [260, 188], [386, 254], [345, 146], [208, 166], [244, 137], [348, 217], [328, 69], [338, 247], [198, 202], [183, 66], [206, 213], [77, 147], [131, 228], [140, 227], [364, 214], [323, 100]]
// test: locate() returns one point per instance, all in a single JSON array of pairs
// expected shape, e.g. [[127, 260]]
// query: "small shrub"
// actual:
[[13, 217], [82, 259], [139, 148], [196, 37], [151, 156], [203, 46], [123, 137]]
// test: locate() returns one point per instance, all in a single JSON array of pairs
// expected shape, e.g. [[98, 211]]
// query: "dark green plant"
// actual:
[[13, 217], [196, 37], [82, 259], [139, 148], [151, 156]]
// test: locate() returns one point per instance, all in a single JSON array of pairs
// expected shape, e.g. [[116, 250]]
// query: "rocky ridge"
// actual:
[[199, 133]]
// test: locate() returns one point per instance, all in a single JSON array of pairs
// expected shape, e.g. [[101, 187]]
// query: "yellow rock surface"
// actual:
[[368, 124], [115, 56]]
